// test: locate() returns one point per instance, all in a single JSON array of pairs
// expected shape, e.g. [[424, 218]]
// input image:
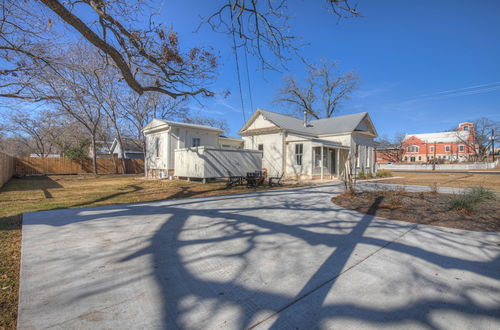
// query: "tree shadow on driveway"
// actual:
[[276, 260]]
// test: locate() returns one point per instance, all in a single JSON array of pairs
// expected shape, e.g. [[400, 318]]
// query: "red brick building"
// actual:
[[454, 146]]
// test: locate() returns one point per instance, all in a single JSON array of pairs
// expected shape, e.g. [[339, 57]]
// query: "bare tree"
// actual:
[[148, 56], [139, 110], [322, 93], [481, 137], [151, 54], [68, 87], [261, 27], [213, 122], [36, 130]]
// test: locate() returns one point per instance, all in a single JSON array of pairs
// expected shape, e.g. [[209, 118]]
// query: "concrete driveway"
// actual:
[[287, 259]]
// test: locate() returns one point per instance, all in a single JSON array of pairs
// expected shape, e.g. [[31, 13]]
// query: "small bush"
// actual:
[[465, 201], [383, 174], [461, 202], [479, 194]]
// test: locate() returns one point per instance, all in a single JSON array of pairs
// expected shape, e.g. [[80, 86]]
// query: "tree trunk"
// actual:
[[122, 153], [94, 156]]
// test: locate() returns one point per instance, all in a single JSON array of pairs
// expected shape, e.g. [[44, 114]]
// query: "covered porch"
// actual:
[[328, 159]]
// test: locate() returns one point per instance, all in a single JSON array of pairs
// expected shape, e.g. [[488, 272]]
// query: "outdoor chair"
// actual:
[[275, 180], [254, 179], [234, 180]]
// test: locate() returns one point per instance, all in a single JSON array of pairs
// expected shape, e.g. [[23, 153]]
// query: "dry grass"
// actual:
[[456, 180], [52, 192]]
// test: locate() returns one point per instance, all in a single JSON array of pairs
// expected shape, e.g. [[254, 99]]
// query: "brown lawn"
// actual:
[[71, 191], [456, 180]]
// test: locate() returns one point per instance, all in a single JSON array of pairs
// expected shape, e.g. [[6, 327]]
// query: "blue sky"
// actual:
[[424, 65]]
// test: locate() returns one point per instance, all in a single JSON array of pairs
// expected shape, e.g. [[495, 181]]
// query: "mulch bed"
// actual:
[[424, 208]]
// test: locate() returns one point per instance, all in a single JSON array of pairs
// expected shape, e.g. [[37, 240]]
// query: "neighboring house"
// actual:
[[229, 142], [313, 149], [451, 146], [102, 149], [133, 148], [164, 137]]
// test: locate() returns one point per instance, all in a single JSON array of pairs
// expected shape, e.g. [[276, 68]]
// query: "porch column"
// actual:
[[322, 163], [337, 162]]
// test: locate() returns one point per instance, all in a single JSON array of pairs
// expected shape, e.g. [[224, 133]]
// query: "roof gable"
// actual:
[[334, 125], [160, 124]]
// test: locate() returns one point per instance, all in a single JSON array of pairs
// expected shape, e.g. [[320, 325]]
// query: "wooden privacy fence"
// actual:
[[38, 166], [7, 165]]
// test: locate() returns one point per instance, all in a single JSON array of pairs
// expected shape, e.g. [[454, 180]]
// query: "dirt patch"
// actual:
[[424, 208], [456, 180]]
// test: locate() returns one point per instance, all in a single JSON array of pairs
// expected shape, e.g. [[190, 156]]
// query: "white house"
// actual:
[[132, 148], [191, 150], [296, 148]]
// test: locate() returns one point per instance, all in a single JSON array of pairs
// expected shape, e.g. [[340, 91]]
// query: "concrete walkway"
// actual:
[[283, 259]]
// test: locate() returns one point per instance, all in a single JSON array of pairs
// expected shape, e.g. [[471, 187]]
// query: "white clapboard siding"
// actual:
[[210, 162]]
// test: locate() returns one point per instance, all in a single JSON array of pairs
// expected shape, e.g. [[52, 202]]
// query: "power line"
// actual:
[[237, 64], [248, 82]]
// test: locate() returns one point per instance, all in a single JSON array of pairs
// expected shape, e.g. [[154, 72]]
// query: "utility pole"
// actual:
[[493, 143], [434, 158]]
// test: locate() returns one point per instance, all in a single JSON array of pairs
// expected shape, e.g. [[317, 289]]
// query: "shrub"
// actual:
[[467, 199], [461, 202], [479, 194], [383, 173]]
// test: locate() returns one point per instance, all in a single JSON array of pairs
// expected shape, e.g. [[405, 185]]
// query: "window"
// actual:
[[461, 147], [299, 150], [419, 157], [432, 149], [447, 148], [317, 157], [260, 147], [466, 128], [412, 149], [196, 142], [157, 146]]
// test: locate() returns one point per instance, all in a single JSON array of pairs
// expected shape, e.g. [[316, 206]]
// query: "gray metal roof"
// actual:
[[181, 124], [339, 124]]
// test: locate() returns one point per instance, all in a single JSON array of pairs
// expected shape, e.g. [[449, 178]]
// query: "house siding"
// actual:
[[171, 139], [273, 150]]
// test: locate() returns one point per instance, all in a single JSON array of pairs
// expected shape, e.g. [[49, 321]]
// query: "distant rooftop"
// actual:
[[453, 136]]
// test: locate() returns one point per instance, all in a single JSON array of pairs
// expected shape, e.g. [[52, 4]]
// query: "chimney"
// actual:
[[305, 118]]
